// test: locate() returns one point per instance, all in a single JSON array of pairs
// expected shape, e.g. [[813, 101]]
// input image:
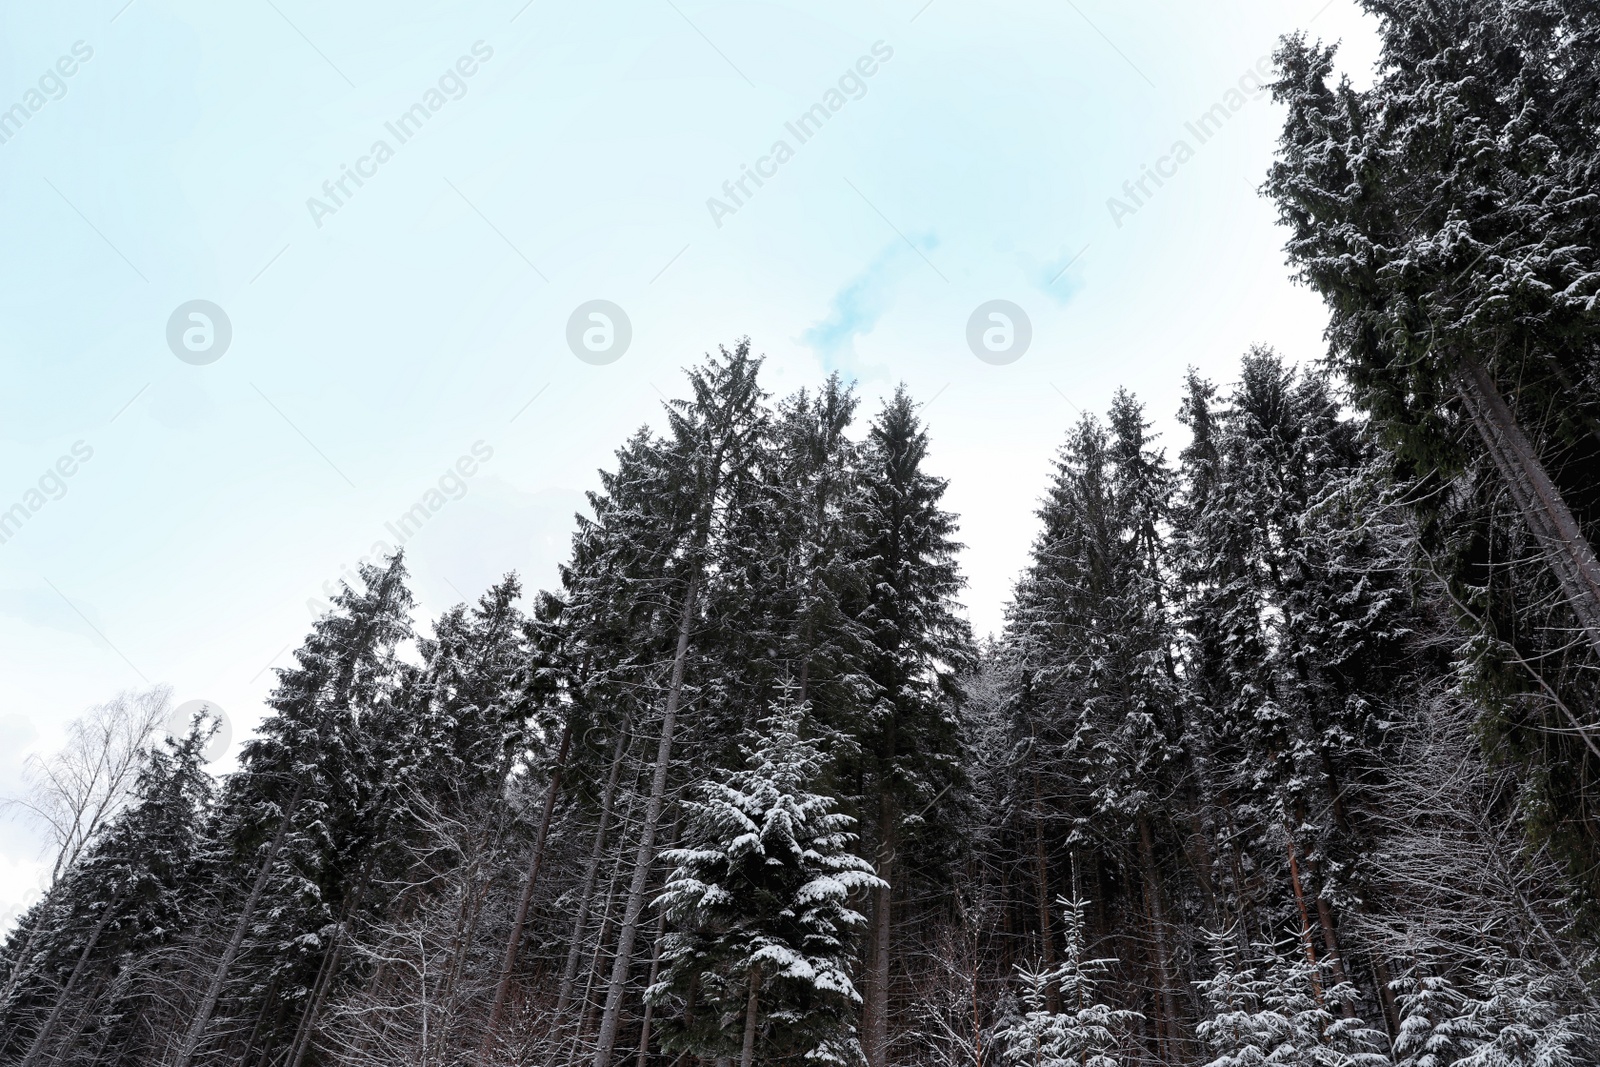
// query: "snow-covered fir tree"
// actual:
[[1435, 1028], [915, 642], [759, 946], [1084, 1031], [1283, 1009]]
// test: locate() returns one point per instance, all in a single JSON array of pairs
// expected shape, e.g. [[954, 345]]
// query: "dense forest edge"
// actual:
[[1287, 753]]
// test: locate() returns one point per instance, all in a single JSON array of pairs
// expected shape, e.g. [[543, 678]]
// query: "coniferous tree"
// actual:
[[1285, 1010], [915, 642], [1519, 1012], [117, 907], [759, 949], [1084, 1031], [1299, 611], [706, 478], [295, 824], [1099, 727], [1434, 1030], [1445, 216], [818, 470], [442, 748]]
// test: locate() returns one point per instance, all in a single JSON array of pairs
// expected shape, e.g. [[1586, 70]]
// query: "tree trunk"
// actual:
[[877, 1005], [70, 1048], [747, 1058], [569, 974], [655, 972], [42, 1038], [1052, 995], [655, 965], [219, 979], [319, 992], [612, 1017], [267, 1003], [330, 962], [1241, 903], [1552, 524], [597, 964], [1158, 925], [1330, 941], [1391, 1011], [1305, 916], [20, 968], [514, 941]]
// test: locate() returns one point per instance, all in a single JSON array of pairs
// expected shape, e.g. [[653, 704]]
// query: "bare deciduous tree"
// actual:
[[73, 793]]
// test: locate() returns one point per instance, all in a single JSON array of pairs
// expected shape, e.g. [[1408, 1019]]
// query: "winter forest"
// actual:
[[1288, 753]]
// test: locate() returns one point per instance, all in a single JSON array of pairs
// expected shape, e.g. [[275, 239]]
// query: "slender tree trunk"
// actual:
[[219, 979], [319, 993], [1158, 925], [1241, 904], [1144, 947], [747, 1058], [514, 942], [612, 1016], [1305, 916], [1330, 936], [267, 1002], [274, 1028], [877, 1005], [655, 968], [569, 974], [597, 964], [1391, 1011], [655, 972], [1330, 941], [977, 1013], [69, 1048], [1047, 939], [1552, 524], [42, 1038], [330, 963], [20, 968]]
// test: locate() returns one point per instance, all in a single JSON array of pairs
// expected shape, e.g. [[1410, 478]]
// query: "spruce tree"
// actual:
[[915, 644], [1099, 725], [295, 823], [442, 748], [1084, 1031], [1285, 1010], [125, 898], [1435, 1030], [704, 478], [760, 945], [1301, 626], [1524, 1022], [1445, 216]]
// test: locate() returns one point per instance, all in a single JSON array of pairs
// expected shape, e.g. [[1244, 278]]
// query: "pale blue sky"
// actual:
[[373, 351]]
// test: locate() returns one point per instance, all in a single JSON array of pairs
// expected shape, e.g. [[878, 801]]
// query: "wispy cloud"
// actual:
[[858, 305], [1060, 277]]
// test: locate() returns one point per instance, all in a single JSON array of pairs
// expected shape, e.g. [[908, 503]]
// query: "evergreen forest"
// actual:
[[1287, 754]]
